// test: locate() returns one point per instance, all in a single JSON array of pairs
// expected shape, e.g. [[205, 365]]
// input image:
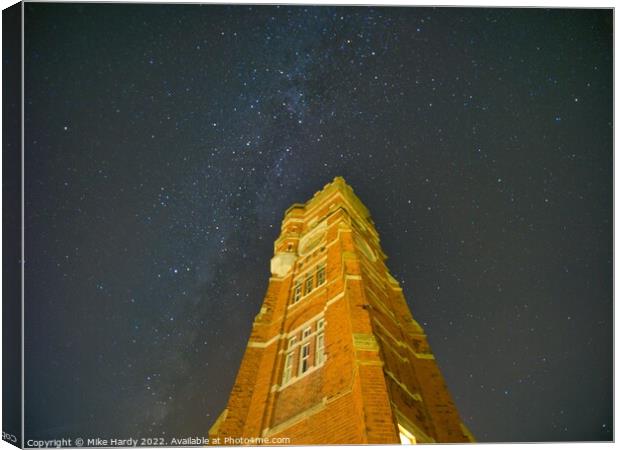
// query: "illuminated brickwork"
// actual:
[[335, 356]]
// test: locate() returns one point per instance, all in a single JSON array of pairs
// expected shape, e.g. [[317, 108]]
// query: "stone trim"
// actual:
[[369, 362], [354, 277], [391, 347], [397, 341], [371, 272], [380, 303], [365, 342], [402, 344], [258, 344], [416, 396], [305, 324], [290, 219]]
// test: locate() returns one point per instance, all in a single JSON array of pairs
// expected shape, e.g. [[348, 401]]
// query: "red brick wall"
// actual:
[[371, 342]]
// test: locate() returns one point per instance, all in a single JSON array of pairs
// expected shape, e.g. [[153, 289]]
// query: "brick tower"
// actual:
[[335, 356]]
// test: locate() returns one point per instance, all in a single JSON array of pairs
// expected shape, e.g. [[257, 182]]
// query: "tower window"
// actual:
[[297, 292], [304, 358], [292, 341], [308, 280], [305, 350], [288, 368], [320, 275], [320, 348], [309, 283]]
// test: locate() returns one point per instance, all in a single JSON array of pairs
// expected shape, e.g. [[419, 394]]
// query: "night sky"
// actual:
[[164, 143]]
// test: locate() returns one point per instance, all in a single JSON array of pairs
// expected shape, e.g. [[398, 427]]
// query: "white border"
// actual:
[[460, 3]]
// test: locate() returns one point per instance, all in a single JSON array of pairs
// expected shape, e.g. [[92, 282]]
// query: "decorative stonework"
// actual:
[[311, 240]]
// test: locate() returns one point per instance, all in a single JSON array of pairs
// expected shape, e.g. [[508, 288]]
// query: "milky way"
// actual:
[[164, 143]]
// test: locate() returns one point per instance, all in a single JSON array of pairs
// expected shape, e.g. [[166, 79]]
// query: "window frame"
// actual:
[[298, 291], [292, 341], [319, 349], [304, 359], [289, 363], [309, 283], [320, 275]]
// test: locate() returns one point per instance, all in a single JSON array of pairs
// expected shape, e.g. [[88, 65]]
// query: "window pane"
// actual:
[[288, 368], [406, 437], [297, 292], [309, 284], [320, 275], [304, 359], [320, 349]]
